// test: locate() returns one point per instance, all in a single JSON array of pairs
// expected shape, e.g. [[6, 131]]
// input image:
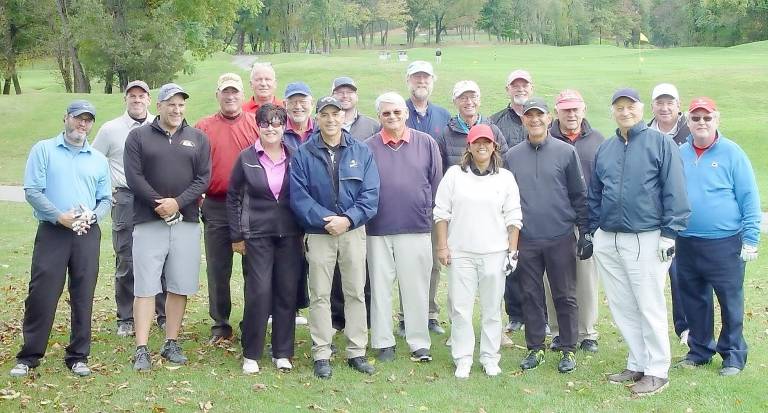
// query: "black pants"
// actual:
[[679, 319], [337, 300], [513, 300], [59, 251], [558, 258], [218, 258], [122, 243], [704, 266], [272, 268]]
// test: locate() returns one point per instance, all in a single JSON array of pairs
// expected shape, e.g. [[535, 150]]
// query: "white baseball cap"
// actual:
[[665, 89], [420, 66], [465, 86]]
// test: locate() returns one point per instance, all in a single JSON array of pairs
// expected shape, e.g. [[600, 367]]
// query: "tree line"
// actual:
[[119, 40]]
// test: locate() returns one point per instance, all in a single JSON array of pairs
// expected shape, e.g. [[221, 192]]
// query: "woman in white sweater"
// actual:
[[478, 218]]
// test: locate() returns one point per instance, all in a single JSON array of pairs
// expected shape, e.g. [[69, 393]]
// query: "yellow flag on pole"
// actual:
[[643, 39]]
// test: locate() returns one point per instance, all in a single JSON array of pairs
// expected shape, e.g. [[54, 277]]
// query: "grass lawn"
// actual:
[[213, 377], [734, 77]]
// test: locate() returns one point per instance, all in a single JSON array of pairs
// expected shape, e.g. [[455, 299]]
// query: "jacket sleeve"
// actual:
[[577, 191], [367, 202], [748, 198], [511, 209], [436, 168], [595, 196], [503, 145], [441, 146], [134, 170], [308, 211], [202, 175], [674, 195], [235, 194]]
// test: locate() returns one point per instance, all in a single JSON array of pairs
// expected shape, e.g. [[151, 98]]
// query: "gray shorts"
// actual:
[[173, 250]]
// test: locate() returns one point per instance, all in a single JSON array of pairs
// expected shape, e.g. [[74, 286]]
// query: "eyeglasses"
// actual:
[[275, 124], [396, 112], [464, 98], [698, 118]]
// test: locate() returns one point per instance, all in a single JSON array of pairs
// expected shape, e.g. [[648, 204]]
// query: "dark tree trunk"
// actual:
[[80, 79], [109, 77], [240, 41]]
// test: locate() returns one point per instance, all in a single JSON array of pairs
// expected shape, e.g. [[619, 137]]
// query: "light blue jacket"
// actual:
[[722, 192]]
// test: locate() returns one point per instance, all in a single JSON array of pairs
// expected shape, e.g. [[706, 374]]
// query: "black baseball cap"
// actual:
[[535, 103], [626, 92], [322, 103]]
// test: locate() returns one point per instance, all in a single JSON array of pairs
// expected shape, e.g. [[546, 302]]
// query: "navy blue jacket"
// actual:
[[312, 194], [638, 186], [433, 121]]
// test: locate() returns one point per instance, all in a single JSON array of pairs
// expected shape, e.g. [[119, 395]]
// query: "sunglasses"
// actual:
[[396, 112], [275, 124], [698, 118]]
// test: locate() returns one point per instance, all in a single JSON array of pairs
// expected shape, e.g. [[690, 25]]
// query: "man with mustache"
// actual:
[[229, 131], [68, 186]]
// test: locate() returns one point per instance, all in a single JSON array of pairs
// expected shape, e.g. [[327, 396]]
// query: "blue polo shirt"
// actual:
[[67, 177], [431, 123]]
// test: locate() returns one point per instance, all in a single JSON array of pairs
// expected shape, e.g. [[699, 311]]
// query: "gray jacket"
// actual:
[[363, 127], [682, 131], [552, 190], [452, 142], [510, 125], [638, 185], [586, 145]]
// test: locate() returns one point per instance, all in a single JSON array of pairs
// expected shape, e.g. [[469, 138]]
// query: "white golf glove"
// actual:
[[666, 249], [748, 253], [174, 219], [510, 263]]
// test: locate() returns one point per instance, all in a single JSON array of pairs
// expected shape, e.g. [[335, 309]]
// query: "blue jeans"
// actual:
[[704, 265]]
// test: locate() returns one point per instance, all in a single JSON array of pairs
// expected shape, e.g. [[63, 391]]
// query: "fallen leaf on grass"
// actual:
[[423, 408], [9, 394], [205, 407], [172, 367], [527, 391], [159, 409], [259, 386], [314, 406], [391, 378], [481, 410]]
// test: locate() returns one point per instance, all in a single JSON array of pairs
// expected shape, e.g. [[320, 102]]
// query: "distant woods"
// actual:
[[116, 41]]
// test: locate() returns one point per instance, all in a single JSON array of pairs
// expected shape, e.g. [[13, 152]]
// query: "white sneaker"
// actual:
[[282, 364], [81, 369], [506, 341], [492, 369], [250, 366], [684, 337], [463, 366], [301, 320], [19, 370]]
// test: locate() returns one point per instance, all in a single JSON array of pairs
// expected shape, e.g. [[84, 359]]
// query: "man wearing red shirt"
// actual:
[[230, 131], [263, 84]]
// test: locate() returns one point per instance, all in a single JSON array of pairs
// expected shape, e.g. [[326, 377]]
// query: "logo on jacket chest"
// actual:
[[353, 164]]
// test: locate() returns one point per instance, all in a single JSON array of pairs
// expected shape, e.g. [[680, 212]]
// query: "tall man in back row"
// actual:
[[110, 140], [229, 131], [635, 218], [67, 184], [166, 234]]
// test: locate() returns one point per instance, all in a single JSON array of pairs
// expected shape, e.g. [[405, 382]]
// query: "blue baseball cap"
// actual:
[[297, 88], [78, 107], [626, 92], [169, 90]]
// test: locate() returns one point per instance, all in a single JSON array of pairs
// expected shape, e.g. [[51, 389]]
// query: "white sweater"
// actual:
[[478, 210]]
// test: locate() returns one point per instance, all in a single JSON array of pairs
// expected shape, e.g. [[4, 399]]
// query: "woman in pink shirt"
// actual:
[[264, 230]]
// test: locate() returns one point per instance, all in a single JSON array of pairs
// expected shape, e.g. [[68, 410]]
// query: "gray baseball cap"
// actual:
[[343, 81], [78, 107], [169, 90], [137, 83]]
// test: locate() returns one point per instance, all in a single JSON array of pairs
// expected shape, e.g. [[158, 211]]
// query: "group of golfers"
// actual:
[[329, 209]]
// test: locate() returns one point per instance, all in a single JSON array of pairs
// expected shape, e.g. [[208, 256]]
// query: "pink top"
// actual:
[[275, 170]]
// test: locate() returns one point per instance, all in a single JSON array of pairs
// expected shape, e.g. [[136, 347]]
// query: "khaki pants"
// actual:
[[323, 251], [586, 296]]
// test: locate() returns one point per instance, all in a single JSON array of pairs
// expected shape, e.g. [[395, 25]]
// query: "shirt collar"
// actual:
[[291, 126], [387, 138], [61, 142]]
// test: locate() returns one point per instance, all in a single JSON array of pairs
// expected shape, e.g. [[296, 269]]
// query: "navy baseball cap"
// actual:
[[535, 103], [626, 92], [78, 107], [325, 102], [297, 88], [343, 81], [169, 90]]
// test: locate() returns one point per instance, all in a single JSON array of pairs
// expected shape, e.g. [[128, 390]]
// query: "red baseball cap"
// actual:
[[703, 103], [569, 99], [480, 131]]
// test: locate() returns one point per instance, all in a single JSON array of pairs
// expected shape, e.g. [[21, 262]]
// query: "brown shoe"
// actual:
[[625, 376], [649, 385]]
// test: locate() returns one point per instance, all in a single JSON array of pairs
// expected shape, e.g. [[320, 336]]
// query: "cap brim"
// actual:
[[462, 91], [703, 107], [571, 104], [345, 84], [328, 104], [542, 109], [632, 98], [297, 92], [229, 84], [81, 111]]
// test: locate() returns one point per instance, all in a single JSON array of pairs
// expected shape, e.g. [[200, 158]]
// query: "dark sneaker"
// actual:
[[172, 352], [434, 326], [532, 360], [555, 346], [567, 362], [361, 364], [625, 376], [687, 363], [513, 326], [125, 329], [142, 360], [401, 328], [160, 323], [386, 354], [589, 346], [649, 385], [323, 369], [729, 371], [19, 370], [421, 355]]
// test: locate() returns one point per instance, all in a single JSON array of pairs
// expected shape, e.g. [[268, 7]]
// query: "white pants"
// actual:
[[406, 258], [586, 296], [633, 278], [468, 274]]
